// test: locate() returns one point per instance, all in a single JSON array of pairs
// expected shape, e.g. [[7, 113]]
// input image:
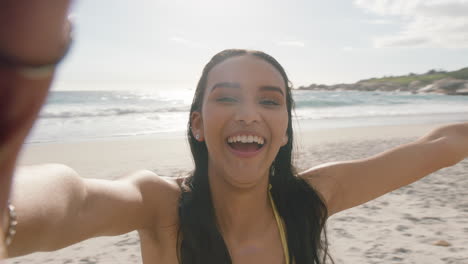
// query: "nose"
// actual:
[[248, 113]]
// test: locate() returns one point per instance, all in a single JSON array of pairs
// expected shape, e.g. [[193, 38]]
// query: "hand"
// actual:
[[31, 33], [34, 31]]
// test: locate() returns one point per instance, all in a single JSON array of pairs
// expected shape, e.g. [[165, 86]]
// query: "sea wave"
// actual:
[[103, 112], [379, 110]]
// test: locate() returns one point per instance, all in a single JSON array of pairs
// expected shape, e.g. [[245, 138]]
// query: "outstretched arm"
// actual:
[[347, 184], [56, 207]]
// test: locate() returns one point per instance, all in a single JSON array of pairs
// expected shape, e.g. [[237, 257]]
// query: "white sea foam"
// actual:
[[102, 114]]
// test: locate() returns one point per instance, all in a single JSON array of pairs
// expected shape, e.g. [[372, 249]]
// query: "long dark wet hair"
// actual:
[[300, 206]]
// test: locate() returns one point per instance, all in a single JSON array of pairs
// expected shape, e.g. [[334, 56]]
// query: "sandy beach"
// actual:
[[426, 222]]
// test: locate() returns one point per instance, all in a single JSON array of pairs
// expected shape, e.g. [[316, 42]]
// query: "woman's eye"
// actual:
[[226, 99], [269, 102]]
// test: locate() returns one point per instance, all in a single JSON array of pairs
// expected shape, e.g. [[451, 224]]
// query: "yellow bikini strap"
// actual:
[[280, 224]]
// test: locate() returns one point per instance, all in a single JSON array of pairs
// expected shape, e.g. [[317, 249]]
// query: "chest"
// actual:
[[267, 252], [162, 248]]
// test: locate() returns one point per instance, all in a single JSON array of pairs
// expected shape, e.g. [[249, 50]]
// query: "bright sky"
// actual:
[[163, 44]]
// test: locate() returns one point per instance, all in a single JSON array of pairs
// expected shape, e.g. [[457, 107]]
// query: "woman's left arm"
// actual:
[[347, 184]]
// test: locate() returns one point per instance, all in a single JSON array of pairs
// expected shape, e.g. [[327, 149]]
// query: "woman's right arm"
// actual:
[[56, 207]]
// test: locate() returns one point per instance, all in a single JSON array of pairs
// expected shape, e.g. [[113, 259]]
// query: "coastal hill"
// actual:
[[433, 81]]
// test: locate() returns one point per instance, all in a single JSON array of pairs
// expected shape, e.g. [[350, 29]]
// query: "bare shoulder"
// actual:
[[324, 179], [153, 186], [160, 194], [151, 182]]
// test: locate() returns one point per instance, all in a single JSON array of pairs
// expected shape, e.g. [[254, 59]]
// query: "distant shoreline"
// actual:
[[434, 82]]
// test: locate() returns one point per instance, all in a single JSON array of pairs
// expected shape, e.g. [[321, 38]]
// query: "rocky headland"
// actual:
[[438, 82]]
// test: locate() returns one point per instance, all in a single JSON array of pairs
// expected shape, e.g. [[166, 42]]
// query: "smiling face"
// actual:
[[243, 119]]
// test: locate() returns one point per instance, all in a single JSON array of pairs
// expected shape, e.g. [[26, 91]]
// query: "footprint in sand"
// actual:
[[89, 260], [343, 233], [455, 260], [431, 220], [127, 242], [462, 207], [354, 249], [402, 251], [411, 218], [402, 228]]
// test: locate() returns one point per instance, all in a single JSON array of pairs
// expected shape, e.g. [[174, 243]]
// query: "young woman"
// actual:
[[244, 202]]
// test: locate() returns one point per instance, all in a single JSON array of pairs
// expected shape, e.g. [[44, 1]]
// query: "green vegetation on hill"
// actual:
[[433, 81], [426, 78]]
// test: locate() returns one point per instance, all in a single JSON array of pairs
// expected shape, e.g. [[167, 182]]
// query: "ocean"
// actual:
[[88, 115]]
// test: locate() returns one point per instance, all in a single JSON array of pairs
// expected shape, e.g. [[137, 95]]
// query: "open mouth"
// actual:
[[246, 143]]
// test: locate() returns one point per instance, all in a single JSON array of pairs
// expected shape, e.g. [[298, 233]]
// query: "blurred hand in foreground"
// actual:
[[34, 36]]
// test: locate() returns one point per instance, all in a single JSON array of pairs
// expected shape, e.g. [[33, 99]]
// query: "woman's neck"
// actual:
[[242, 214]]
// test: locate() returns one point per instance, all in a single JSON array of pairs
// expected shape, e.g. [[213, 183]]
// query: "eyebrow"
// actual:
[[225, 85], [237, 86], [272, 88]]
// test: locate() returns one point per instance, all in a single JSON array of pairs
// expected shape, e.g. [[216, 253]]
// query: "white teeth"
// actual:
[[246, 139]]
